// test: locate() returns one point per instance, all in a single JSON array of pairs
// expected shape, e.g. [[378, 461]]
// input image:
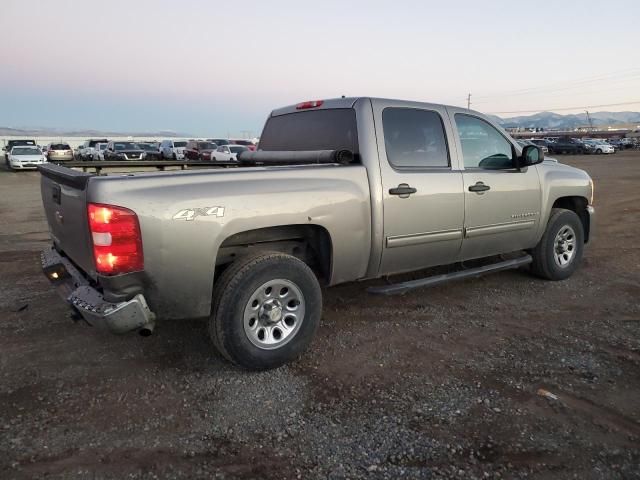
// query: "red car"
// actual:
[[199, 150], [246, 143]]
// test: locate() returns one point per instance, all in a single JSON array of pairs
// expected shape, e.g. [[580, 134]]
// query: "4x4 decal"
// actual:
[[191, 213]]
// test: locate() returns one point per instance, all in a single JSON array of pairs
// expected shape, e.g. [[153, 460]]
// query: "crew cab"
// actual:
[[340, 190]]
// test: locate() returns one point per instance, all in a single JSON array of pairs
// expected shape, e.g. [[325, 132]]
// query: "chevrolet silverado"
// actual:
[[339, 190]]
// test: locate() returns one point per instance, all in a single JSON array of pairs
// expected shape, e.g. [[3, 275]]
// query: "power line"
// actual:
[[569, 84], [580, 107]]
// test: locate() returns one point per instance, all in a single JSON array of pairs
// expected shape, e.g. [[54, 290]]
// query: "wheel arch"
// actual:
[[310, 243], [578, 205]]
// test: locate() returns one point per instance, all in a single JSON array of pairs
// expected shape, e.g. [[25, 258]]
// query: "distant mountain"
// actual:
[[553, 120], [54, 132]]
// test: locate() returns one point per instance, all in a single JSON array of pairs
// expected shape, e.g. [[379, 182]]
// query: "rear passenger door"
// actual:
[[423, 201]]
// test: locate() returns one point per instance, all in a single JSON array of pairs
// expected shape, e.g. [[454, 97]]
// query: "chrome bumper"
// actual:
[[122, 317]]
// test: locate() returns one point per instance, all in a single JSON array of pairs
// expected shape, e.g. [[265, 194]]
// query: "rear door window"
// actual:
[[332, 129], [414, 138]]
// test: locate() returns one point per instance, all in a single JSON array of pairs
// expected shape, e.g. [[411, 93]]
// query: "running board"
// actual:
[[404, 287]]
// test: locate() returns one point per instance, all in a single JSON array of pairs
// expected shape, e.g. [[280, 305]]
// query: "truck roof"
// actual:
[[346, 102]]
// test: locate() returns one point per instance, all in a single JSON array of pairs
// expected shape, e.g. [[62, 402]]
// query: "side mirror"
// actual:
[[531, 155]]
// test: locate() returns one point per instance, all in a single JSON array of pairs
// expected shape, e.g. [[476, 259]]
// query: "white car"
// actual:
[[26, 157], [98, 152], [227, 152], [599, 147], [172, 149]]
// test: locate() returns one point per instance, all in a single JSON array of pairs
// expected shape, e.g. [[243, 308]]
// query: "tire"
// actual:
[[213, 159], [599, 151], [230, 324], [175, 157], [546, 257]]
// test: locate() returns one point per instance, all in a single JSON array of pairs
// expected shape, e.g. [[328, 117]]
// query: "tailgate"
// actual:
[[64, 198]]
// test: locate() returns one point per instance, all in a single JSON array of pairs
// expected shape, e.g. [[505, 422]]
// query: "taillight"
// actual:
[[309, 104], [117, 243]]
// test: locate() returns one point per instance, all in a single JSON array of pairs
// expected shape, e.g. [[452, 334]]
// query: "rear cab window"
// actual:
[[328, 129]]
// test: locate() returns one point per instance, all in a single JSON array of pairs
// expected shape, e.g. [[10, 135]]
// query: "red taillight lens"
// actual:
[[309, 104], [117, 243]]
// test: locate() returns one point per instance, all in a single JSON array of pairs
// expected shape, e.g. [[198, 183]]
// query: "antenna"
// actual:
[[469, 101]]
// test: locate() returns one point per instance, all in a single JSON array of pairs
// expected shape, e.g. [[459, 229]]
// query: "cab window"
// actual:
[[483, 146], [414, 138]]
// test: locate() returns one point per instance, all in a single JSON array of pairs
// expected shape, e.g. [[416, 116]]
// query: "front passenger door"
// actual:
[[502, 202]]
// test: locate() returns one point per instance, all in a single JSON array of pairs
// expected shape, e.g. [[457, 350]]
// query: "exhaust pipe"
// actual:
[[147, 329]]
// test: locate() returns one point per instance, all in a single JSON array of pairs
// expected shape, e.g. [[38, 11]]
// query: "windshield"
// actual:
[[207, 146], [147, 146], [25, 151], [179, 144], [102, 146], [219, 141], [125, 146], [237, 148]]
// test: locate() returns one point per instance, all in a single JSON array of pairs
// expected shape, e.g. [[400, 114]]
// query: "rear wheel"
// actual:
[[559, 252], [266, 310]]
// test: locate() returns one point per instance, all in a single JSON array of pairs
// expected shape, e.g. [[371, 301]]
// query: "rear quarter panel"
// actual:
[[179, 255]]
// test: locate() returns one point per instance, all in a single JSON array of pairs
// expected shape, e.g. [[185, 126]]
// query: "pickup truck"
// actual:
[[568, 145], [339, 190]]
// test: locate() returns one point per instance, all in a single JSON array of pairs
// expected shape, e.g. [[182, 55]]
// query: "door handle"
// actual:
[[403, 190], [479, 187]]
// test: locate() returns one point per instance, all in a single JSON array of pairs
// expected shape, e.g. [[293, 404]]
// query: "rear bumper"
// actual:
[[122, 317]]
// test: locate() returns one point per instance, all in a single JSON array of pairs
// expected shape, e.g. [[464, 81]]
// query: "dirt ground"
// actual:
[[439, 383]]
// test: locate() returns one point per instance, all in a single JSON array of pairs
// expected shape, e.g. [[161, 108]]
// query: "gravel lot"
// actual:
[[440, 383]]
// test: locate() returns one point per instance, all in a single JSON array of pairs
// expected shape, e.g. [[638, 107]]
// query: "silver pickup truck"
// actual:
[[339, 190]]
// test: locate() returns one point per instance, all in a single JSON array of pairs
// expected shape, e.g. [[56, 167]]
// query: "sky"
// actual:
[[213, 67]]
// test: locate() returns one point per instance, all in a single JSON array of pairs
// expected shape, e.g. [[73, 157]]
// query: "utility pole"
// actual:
[[590, 122], [469, 101]]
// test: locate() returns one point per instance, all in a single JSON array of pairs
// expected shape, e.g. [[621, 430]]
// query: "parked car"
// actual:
[[98, 152], [172, 149], [247, 143], [117, 150], [219, 141], [598, 146], [15, 143], [567, 145], [524, 143], [249, 248], [199, 150], [542, 143], [87, 150], [151, 150], [25, 157], [59, 152], [228, 152]]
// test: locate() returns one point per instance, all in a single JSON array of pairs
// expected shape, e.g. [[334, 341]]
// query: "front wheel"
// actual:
[[266, 310], [559, 252]]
